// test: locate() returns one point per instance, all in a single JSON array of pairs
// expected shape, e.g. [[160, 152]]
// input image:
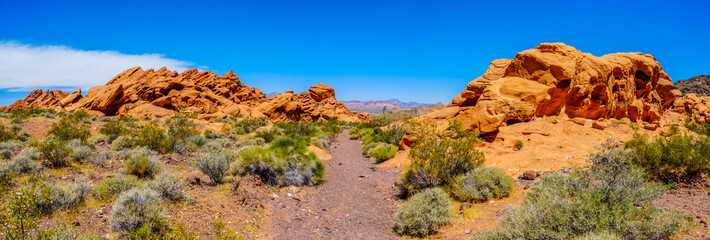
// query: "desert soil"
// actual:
[[357, 200]]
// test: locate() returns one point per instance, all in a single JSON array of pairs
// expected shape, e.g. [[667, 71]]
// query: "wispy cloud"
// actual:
[[24, 67]]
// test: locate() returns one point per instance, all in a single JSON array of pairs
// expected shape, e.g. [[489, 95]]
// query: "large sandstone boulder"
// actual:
[[317, 104], [556, 79]]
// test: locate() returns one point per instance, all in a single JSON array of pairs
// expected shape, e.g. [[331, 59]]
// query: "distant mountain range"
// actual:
[[377, 106]]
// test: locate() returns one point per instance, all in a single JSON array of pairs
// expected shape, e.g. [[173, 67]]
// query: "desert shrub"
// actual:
[[135, 208], [247, 141], [438, 161], [114, 129], [54, 151], [180, 128], [122, 142], [6, 175], [286, 162], [701, 129], [63, 232], [78, 150], [19, 213], [169, 186], [62, 196], [599, 236], [69, 128], [267, 135], [517, 145], [9, 148], [153, 137], [214, 164], [384, 152], [24, 162], [142, 165], [197, 140], [8, 134], [680, 154], [612, 195], [183, 147], [481, 184], [212, 135], [391, 136], [111, 187], [424, 213], [297, 131], [99, 139], [249, 125], [103, 156]]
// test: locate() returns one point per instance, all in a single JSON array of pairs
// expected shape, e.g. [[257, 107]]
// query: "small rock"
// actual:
[[599, 125], [579, 120], [468, 231], [529, 175], [293, 196], [294, 189], [100, 212], [193, 180], [651, 127]]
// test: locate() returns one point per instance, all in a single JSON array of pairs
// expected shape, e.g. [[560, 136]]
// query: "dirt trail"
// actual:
[[356, 201]]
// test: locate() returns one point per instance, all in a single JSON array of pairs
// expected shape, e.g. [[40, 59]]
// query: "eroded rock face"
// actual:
[[556, 79], [160, 93], [700, 85], [38, 99]]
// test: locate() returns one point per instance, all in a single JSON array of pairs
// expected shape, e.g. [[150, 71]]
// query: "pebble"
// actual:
[[468, 231]]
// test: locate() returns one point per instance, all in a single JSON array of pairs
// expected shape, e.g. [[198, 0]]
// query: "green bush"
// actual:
[[99, 139], [62, 196], [19, 211], [142, 166], [6, 175], [9, 148], [122, 142], [103, 156], [518, 145], [54, 151], [599, 236], [611, 196], [69, 128], [10, 134], [24, 162], [214, 164], [111, 187], [169, 186], [424, 213], [267, 135], [249, 125], [286, 162], [391, 136], [701, 129], [135, 208], [680, 155], [114, 129], [437, 162], [154, 138], [197, 140], [383, 152], [79, 151], [482, 184]]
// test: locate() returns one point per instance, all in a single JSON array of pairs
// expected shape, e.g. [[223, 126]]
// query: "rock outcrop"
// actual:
[[38, 99], [699, 85], [160, 93], [556, 79]]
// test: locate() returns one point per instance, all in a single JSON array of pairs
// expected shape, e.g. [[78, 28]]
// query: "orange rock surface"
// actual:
[[160, 93], [556, 79]]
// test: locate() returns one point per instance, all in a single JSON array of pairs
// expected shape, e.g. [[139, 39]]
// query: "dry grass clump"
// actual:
[[424, 213]]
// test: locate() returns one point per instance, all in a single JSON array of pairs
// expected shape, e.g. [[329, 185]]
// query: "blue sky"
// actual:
[[424, 51]]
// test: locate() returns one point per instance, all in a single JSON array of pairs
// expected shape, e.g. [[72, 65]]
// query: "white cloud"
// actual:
[[26, 67]]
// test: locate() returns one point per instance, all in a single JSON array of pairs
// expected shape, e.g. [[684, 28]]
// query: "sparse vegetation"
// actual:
[[424, 213], [111, 187], [142, 165], [612, 195], [169, 186], [135, 208], [668, 159], [482, 184], [54, 151], [70, 127], [214, 164], [517, 145], [438, 161], [383, 152], [286, 162]]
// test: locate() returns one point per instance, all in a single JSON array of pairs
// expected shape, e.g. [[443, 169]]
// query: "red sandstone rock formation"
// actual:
[[160, 93], [556, 79]]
